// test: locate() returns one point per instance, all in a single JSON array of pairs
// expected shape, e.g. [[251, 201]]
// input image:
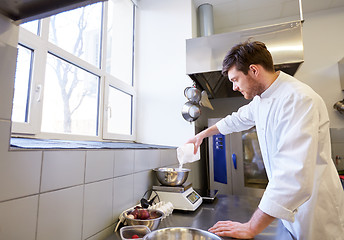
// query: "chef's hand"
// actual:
[[198, 139], [232, 229], [258, 222]]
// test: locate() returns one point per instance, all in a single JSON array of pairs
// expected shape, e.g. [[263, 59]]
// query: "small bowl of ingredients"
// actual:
[[134, 232], [142, 216]]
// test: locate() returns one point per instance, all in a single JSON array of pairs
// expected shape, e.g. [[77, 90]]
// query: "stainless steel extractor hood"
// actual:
[[204, 55], [28, 10]]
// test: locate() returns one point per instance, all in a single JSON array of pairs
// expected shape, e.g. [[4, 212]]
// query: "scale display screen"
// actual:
[[193, 197]]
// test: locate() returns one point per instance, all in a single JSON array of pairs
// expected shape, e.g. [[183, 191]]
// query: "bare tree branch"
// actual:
[[68, 83], [85, 93]]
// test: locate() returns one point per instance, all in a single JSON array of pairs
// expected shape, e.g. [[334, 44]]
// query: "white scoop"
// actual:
[[185, 154]]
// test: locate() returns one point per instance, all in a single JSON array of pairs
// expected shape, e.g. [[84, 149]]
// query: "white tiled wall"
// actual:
[[97, 207], [146, 160], [72, 194], [123, 191], [60, 214], [99, 165], [124, 162], [62, 169], [20, 172], [18, 218]]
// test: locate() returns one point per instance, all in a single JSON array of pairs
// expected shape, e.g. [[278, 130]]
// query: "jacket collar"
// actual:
[[273, 87]]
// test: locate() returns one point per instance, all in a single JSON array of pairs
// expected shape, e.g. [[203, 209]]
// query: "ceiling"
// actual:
[[229, 14], [27, 10]]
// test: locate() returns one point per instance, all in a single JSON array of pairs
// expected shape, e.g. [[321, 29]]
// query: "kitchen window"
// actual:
[[22, 84], [74, 77]]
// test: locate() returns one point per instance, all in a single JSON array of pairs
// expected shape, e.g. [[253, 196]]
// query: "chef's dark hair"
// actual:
[[244, 54]]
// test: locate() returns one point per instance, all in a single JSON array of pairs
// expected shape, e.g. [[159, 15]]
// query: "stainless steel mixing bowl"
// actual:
[[172, 176], [181, 233], [152, 224]]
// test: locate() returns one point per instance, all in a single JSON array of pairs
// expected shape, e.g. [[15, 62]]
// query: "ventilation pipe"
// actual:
[[205, 20]]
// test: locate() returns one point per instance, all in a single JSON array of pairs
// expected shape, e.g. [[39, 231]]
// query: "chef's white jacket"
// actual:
[[304, 189]]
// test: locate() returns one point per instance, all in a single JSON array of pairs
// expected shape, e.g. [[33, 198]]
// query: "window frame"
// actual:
[[113, 82], [42, 47]]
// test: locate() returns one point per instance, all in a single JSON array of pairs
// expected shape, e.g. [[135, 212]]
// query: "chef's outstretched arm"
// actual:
[[198, 138], [258, 222]]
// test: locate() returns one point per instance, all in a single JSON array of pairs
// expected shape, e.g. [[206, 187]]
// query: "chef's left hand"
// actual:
[[232, 229]]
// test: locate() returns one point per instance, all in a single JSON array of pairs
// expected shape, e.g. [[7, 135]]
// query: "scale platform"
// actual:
[[208, 195], [182, 197]]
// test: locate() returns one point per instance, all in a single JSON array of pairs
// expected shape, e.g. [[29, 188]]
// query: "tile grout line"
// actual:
[[71, 186], [76, 185], [39, 195], [113, 185], [83, 197]]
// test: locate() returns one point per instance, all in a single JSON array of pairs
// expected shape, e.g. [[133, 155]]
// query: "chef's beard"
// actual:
[[254, 88]]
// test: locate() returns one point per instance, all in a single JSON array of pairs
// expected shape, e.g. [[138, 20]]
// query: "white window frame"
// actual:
[[113, 82], [42, 47]]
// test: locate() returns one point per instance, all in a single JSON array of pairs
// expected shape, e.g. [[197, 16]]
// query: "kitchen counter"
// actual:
[[225, 207]]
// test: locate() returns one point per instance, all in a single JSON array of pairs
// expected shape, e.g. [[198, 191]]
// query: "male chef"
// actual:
[[292, 123]]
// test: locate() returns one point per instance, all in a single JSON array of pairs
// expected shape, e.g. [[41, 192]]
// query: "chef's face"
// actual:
[[247, 85]]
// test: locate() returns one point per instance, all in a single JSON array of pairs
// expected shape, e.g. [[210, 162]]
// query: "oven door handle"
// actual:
[[234, 159]]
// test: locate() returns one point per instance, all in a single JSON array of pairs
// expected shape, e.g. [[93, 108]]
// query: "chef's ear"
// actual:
[[254, 68]]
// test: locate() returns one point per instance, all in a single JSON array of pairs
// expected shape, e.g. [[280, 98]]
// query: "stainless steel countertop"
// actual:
[[224, 207]]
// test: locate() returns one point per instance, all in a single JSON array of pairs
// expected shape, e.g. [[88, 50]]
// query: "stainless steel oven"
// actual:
[[235, 163]]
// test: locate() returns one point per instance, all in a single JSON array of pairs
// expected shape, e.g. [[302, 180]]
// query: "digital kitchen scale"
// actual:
[[182, 197]]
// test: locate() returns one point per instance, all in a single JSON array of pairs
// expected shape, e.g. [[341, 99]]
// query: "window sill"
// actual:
[[42, 144]]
